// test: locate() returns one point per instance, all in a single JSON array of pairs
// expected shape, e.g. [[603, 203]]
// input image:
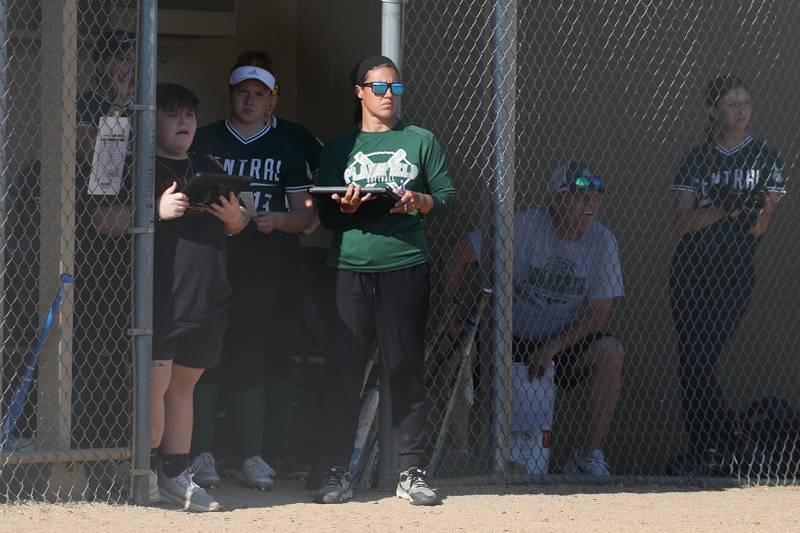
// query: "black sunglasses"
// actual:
[[379, 88]]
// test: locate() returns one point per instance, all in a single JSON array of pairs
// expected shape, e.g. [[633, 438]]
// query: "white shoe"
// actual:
[[256, 473], [155, 495], [183, 491], [412, 487], [205, 471], [593, 464]]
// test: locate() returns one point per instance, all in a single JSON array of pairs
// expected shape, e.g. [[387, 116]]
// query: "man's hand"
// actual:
[[172, 204], [538, 361], [229, 212], [112, 220], [123, 85]]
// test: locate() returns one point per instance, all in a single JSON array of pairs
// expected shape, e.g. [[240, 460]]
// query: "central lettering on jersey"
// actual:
[[378, 168], [552, 283], [738, 179], [259, 169]]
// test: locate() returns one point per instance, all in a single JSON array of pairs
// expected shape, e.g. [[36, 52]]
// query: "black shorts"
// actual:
[[567, 372], [193, 348]]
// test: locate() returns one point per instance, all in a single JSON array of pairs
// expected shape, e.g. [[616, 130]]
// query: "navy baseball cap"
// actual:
[[574, 177]]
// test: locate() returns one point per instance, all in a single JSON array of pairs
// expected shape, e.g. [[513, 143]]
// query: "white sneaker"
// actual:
[[256, 473], [205, 471], [155, 495], [183, 491], [412, 487], [593, 464]]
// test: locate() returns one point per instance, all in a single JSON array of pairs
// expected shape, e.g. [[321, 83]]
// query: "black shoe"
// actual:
[[336, 488]]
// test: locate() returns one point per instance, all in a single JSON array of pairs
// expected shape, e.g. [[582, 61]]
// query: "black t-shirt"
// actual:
[[102, 262], [190, 281]]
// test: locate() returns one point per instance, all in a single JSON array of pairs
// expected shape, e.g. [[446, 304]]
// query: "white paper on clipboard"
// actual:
[[110, 151]]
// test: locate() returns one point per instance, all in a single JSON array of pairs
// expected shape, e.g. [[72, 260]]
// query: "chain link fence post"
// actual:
[[504, 97], [391, 47], [143, 244]]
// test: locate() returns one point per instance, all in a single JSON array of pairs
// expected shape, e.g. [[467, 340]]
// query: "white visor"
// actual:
[[240, 74]]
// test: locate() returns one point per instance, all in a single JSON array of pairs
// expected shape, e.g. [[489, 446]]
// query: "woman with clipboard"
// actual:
[[383, 280]]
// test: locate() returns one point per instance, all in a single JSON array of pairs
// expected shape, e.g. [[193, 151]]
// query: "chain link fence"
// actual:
[[621, 86], [618, 85], [66, 137]]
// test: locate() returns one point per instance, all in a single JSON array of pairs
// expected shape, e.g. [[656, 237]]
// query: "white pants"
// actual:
[[532, 403]]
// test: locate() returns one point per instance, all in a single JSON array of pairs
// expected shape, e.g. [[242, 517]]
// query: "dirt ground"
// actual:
[[568, 508]]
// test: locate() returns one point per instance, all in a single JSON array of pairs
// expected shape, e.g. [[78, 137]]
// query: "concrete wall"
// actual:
[[312, 56]]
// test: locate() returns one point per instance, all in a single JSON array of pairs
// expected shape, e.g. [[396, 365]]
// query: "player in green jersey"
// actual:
[[251, 142], [382, 278], [723, 197]]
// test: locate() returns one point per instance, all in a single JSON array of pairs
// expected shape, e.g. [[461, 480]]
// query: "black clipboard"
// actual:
[[384, 197], [205, 188]]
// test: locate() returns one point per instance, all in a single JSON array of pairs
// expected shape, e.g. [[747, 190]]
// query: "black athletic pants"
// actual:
[[710, 288], [391, 307]]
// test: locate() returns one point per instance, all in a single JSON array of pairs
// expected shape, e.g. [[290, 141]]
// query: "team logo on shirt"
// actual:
[[379, 168], [553, 283]]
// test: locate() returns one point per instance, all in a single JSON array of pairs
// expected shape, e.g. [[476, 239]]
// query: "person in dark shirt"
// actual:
[[724, 195], [191, 294], [253, 142], [102, 310]]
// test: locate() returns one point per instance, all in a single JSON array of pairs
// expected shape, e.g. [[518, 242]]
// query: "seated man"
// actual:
[[566, 274]]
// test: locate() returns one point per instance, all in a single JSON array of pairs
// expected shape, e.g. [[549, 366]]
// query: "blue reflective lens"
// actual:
[[380, 87]]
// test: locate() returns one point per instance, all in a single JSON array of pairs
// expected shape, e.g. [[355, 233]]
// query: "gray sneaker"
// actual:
[[205, 471], [184, 492], [256, 473], [155, 495], [336, 488], [593, 464], [411, 486]]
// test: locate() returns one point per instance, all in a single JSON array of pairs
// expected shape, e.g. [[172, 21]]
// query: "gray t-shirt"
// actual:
[[553, 277]]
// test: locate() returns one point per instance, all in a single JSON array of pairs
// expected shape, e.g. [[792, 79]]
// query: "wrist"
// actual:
[[279, 220]]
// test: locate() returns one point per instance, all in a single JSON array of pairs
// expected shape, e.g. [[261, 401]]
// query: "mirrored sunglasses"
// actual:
[[379, 88], [582, 183]]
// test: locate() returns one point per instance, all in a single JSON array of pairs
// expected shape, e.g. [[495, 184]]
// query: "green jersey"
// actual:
[[271, 157], [746, 166], [405, 156]]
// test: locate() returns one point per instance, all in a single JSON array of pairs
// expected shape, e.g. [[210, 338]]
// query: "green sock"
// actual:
[[206, 404], [248, 410]]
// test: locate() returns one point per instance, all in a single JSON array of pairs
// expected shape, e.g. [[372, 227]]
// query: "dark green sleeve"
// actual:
[[684, 180], [439, 182], [297, 179], [775, 182], [331, 172]]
